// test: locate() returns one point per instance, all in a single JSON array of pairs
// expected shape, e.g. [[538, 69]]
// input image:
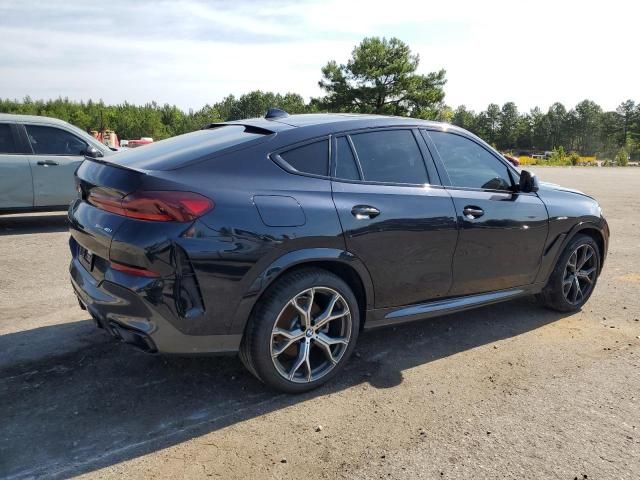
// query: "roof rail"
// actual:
[[276, 113]]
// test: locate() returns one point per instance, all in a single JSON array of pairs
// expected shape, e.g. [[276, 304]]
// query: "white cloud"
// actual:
[[192, 53]]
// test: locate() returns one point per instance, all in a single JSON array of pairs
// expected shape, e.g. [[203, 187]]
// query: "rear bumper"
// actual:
[[129, 317]]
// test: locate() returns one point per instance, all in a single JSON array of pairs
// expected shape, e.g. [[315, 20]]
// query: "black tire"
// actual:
[[258, 342], [553, 296]]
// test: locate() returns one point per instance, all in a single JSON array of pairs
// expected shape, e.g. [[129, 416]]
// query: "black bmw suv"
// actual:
[[283, 237]]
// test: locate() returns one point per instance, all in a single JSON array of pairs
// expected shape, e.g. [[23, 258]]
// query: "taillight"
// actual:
[[105, 201], [165, 206], [137, 271]]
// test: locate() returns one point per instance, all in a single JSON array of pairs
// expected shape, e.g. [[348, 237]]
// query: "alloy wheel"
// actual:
[[579, 274], [311, 334]]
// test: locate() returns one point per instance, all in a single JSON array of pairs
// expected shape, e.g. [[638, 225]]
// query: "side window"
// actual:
[[54, 141], [468, 164], [7, 142], [345, 161], [391, 156], [311, 158]]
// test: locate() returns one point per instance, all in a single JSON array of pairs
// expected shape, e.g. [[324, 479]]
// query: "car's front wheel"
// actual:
[[572, 281], [302, 332]]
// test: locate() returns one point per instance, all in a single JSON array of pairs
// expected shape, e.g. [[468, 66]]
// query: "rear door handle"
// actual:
[[472, 212], [362, 212], [47, 163]]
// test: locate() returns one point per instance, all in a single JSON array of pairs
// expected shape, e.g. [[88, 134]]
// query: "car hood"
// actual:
[[560, 188]]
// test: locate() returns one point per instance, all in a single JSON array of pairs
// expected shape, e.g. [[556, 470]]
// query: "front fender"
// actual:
[[556, 248], [296, 258]]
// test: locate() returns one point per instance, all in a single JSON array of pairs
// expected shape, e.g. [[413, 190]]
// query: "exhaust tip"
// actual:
[[137, 339]]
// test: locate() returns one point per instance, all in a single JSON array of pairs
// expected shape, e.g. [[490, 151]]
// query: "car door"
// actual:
[[56, 155], [16, 184], [503, 232], [395, 217]]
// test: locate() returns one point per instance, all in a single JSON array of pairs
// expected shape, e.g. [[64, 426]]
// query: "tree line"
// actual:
[[586, 128], [380, 77], [152, 119]]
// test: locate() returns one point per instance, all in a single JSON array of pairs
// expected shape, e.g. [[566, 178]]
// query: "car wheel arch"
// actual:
[[597, 236], [591, 229], [339, 262]]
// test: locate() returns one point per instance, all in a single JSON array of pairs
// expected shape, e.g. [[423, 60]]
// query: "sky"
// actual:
[[190, 53]]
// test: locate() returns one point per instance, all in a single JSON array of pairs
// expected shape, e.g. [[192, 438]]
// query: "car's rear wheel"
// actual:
[[302, 332], [572, 281]]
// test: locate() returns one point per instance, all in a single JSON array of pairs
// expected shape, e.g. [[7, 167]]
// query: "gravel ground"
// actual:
[[507, 391]]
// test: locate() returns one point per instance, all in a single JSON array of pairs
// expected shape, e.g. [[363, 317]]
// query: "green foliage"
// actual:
[[128, 121], [464, 118], [629, 114], [151, 119], [558, 157], [622, 157], [256, 103], [574, 158], [502, 126], [586, 129], [380, 77], [445, 114], [509, 119], [488, 124]]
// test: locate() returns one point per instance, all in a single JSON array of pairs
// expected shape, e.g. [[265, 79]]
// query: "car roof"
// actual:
[[9, 117], [309, 119], [56, 122], [315, 119], [318, 124]]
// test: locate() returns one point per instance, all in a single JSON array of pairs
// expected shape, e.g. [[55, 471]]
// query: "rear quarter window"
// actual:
[[311, 158]]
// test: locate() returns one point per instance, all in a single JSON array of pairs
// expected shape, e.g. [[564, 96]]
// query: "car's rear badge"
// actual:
[[106, 229]]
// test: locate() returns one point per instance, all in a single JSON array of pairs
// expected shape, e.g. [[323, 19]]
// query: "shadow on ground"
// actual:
[[106, 403], [33, 223]]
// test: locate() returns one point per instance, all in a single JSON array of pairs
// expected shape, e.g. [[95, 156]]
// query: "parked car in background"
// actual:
[[38, 156], [282, 237]]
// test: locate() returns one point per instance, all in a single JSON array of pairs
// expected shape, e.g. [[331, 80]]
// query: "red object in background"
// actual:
[[513, 160], [138, 143], [107, 137]]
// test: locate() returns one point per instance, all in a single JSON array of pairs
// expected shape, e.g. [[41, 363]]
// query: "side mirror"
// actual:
[[528, 182], [93, 152]]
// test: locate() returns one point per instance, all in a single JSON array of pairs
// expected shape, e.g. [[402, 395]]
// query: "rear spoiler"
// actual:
[[104, 161], [247, 127]]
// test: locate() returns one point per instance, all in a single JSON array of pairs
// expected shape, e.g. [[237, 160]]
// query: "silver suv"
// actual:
[[38, 156]]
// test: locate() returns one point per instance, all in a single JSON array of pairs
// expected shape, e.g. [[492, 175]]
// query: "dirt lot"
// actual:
[[508, 391]]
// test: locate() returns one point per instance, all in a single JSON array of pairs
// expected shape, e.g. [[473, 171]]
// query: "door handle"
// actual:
[[362, 212], [472, 212], [47, 163]]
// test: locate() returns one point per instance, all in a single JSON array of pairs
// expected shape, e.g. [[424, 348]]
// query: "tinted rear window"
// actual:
[[177, 151], [390, 156], [311, 158]]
